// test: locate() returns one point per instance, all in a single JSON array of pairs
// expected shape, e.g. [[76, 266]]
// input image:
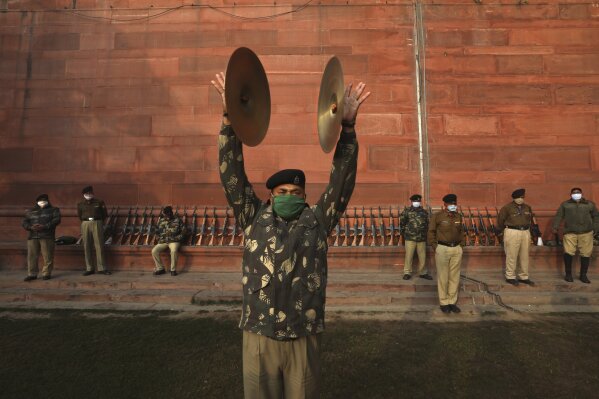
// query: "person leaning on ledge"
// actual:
[[92, 212], [446, 235], [581, 221], [514, 222], [41, 221], [171, 231]]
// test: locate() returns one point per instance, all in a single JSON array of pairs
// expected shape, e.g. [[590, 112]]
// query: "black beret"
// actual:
[[286, 176], [575, 189], [518, 193], [450, 198], [42, 197], [168, 210], [416, 197], [88, 189]]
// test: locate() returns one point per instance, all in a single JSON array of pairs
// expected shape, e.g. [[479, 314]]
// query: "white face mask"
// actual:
[[452, 208], [88, 196], [416, 204], [42, 204], [577, 196]]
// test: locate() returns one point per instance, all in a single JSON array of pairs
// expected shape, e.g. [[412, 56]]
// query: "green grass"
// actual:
[[146, 355]]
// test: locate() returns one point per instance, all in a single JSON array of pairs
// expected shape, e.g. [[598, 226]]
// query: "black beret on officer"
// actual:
[[519, 193], [450, 198], [287, 176], [42, 197], [87, 190], [416, 197]]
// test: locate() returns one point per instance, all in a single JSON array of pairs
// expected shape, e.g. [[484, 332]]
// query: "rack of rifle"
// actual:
[[357, 227]]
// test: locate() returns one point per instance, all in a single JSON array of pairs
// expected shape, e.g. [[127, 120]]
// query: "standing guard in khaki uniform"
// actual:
[[170, 233], [92, 212], [514, 221], [581, 221], [41, 222], [445, 234], [413, 224], [285, 260]]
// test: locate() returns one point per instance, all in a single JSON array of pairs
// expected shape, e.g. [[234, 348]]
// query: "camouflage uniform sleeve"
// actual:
[[178, 231], [334, 200], [403, 221], [559, 215], [238, 190]]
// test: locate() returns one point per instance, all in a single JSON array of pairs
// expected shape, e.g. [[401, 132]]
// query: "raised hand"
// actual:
[[352, 101], [219, 85]]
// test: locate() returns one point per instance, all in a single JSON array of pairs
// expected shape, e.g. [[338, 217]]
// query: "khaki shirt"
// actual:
[[94, 209], [445, 226], [514, 215]]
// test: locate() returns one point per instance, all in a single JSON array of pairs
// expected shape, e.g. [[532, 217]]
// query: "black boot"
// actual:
[[568, 265], [584, 267]]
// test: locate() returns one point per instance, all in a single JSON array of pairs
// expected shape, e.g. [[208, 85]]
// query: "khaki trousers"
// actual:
[[281, 369], [420, 249], [516, 244], [92, 231], [448, 261], [174, 247], [582, 242], [46, 245]]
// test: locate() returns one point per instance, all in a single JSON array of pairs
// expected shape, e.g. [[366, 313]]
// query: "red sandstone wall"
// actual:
[[513, 95]]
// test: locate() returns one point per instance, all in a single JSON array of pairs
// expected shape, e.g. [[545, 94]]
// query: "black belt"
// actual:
[[518, 227], [448, 244], [89, 220]]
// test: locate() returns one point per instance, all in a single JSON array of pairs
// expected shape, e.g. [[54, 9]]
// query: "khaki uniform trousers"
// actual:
[[420, 249], [583, 242], [158, 248], [281, 369], [92, 231], [46, 245], [448, 261], [516, 244]]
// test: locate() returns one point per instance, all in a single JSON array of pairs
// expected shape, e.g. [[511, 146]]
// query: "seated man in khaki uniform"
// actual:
[[41, 222], [170, 233], [514, 222], [445, 234], [581, 221]]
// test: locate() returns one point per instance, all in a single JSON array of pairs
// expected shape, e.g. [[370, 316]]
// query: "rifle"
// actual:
[[142, 227], [213, 228], [391, 229], [363, 231], [123, 234], [474, 228], [356, 228], [348, 229], [131, 228], [335, 237], [483, 227], [234, 229], [225, 228], [194, 226], [202, 232], [150, 227], [467, 240], [110, 226], [536, 232], [493, 230], [382, 229], [372, 229]]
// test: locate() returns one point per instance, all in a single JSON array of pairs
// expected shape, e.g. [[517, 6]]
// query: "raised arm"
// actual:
[[334, 200], [238, 190]]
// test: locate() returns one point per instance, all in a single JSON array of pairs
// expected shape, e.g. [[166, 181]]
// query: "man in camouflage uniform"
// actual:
[[413, 224], [285, 260], [41, 222], [513, 221], [581, 221], [446, 235], [92, 213], [170, 233]]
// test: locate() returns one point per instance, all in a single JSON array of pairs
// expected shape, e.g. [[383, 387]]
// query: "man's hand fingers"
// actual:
[[364, 97], [348, 90], [221, 79]]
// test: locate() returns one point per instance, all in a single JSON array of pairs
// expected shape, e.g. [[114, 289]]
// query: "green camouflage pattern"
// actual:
[[284, 264], [170, 230], [413, 224]]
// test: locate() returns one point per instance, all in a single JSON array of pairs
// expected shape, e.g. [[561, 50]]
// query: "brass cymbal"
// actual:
[[330, 105], [247, 96]]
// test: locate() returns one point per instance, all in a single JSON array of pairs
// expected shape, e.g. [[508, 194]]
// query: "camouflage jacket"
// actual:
[[49, 217], [170, 230], [285, 264], [413, 223]]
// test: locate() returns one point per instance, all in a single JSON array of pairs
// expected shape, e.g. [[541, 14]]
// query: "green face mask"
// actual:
[[288, 206]]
